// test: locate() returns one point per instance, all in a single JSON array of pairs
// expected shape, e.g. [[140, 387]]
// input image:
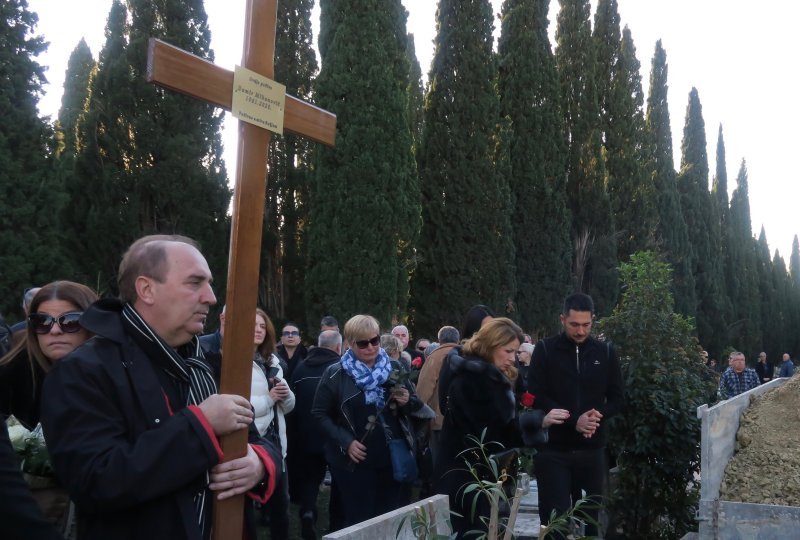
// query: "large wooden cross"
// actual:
[[178, 70]]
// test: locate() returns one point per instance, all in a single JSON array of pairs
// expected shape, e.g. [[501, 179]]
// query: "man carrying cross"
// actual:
[[132, 418]]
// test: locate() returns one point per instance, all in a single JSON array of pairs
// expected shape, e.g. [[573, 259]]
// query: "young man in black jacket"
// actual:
[[577, 372]]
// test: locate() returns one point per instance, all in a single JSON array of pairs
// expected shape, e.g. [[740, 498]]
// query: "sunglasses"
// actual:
[[288, 333], [364, 343], [42, 323]]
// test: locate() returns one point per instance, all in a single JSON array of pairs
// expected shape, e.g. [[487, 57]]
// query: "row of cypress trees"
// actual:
[[514, 177]]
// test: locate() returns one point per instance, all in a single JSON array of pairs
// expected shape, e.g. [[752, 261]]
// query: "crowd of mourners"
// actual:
[[125, 393]]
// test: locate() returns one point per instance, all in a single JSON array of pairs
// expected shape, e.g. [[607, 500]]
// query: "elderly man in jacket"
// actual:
[[132, 417]]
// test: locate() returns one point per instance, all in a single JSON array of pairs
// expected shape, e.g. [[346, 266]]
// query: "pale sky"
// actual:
[[737, 55]]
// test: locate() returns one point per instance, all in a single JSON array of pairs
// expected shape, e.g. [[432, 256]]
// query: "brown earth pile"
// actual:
[[765, 467]]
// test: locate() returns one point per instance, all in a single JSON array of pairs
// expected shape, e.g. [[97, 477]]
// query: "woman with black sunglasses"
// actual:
[[53, 331], [363, 402]]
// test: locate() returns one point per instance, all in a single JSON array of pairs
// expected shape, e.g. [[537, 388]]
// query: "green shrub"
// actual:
[[657, 438]]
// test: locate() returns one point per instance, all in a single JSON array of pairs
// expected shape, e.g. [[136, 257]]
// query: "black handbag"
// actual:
[[404, 463]]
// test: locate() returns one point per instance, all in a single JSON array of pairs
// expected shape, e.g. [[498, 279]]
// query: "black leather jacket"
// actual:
[[333, 410]]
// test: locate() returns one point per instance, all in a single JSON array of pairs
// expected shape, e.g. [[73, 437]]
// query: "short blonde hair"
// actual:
[[361, 327]]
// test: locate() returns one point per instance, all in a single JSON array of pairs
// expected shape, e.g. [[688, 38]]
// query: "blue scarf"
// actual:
[[369, 380]]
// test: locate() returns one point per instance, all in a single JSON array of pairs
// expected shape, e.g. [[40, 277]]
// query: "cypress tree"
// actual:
[[98, 217], [719, 186], [593, 228], [529, 96], [630, 188], [671, 234], [80, 68], [719, 198], [741, 260], [794, 263], [152, 157], [416, 94], [466, 247], [182, 184], [702, 225], [768, 298], [283, 253], [794, 302], [365, 210], [30, 195], [784, 332]]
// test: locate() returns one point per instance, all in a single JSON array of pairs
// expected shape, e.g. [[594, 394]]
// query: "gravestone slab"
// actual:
[[385, 526]]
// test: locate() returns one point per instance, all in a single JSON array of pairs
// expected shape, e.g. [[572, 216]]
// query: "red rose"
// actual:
[[527, 400], [417, 362]]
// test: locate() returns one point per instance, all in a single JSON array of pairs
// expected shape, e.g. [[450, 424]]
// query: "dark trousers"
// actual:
[[562, 473], [307, 475], [278, 509], [365, 492]]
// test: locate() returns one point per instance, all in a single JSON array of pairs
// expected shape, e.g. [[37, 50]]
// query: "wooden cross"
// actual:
[[175, 69]]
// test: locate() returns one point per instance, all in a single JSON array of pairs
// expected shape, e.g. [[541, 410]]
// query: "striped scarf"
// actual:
[[187, 366]]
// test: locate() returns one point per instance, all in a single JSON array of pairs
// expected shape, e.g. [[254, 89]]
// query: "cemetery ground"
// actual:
[[294, 517]]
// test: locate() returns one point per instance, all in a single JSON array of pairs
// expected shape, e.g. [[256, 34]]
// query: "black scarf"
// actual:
[[187, 366]]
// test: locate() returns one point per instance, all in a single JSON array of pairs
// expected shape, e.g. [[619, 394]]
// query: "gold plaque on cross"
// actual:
[[258, 100]]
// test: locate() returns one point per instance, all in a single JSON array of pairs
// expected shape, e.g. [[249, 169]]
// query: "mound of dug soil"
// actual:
[[765, 467]]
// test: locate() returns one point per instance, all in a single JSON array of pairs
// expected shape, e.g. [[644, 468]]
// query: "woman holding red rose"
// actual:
[[481, 397]]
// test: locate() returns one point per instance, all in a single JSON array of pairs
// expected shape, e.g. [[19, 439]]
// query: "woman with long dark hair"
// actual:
[[53, 331], [272, 400]]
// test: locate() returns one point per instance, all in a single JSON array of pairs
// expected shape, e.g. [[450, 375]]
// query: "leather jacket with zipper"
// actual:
[[333, 410]]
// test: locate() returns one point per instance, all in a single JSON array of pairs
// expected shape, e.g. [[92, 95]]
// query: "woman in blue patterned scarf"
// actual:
[[363, 402]]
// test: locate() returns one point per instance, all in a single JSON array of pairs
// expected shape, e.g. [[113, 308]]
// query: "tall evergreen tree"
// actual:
[[151, 158], [794, 263], [745, 324], [283, 259], [98, 218], [592, 223], [782, 311], [80, 68], [719, 202], [30, 196], [416, 94], [466, 247], [529, 96], [702, 225], [672, 236], [794, 302], [365, 197], [768, 296], [630, 188], [719, 186]]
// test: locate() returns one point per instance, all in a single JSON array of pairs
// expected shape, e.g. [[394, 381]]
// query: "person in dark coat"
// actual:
[[475, 317], [575, 371], [306, 456], [481, 406], [52, 331], [291, 350], [763, 369], [360, 409], [132, 417], [20, 516]]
